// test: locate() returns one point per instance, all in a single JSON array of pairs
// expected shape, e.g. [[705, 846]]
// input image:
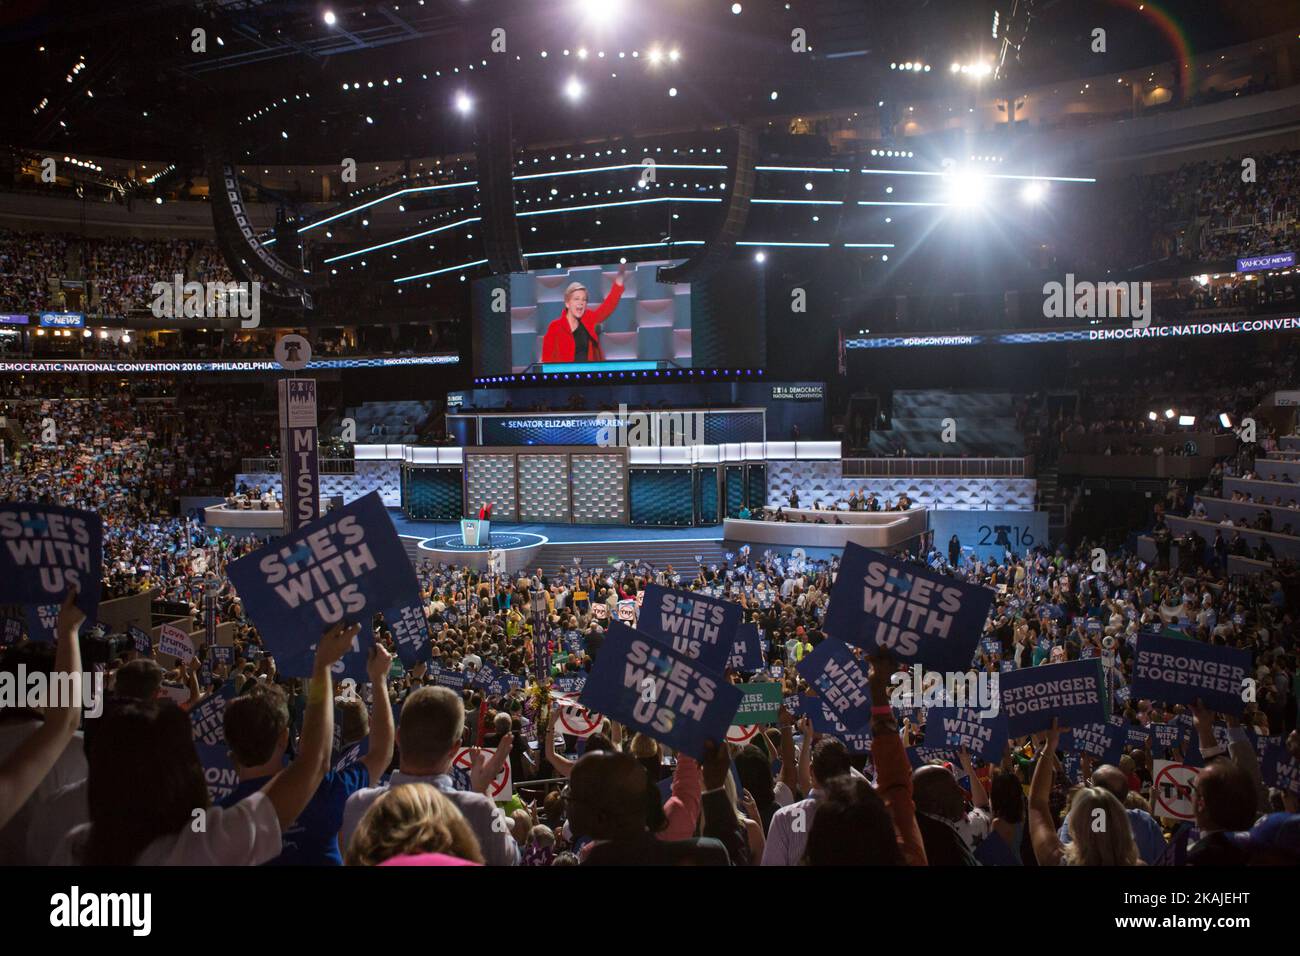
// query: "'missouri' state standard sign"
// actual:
[[652, 688], [1179, 671], [343, 567], [913, 613]]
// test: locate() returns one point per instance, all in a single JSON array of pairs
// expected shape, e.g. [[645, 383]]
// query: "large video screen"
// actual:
[[582, 315]]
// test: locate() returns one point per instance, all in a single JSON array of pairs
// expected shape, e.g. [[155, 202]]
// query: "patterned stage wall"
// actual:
[[544, 488], [491, 479], [599, 489]]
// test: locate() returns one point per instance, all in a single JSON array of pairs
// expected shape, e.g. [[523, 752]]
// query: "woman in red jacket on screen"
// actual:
[[573, 337]]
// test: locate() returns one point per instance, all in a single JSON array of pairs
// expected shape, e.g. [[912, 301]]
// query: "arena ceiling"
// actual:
[[131, 79]]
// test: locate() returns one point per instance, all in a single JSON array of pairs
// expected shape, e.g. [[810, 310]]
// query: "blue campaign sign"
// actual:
[[920, 757], [916, 614], [411, 635], [839, 680], [575, 642], [46, 549], [698, 627], [570, 683], [824, 720], [1279, 769], [663, 693], [1167, 735], [1072, 692], [447, 677], [42, 621], [746, 649], [141, 639], [1179, 671], [222, 655], [951, 728], [1103, 740], [345, 566], [1137, 735], [207, 723], [483, 677]]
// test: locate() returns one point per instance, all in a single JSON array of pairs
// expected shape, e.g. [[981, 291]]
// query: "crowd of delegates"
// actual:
[[119, 271], [795, 795], [1201, 212], [27, 262]]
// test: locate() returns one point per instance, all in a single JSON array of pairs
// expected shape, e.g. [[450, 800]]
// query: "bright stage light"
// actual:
[[1033, 192], [966, 189], [463, 103], [1170, 413], [672, 91], [760, 257], [736, 8], [573, 89], [330, 19], [1224, 420], [1186, 420], [674, 54], [1151, 416], [656, 55]]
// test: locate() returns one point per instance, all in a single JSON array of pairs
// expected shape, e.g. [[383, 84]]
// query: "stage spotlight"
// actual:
[[158, 200], [656, 55], [1224, 420], [1186, 420], [674, 54], [582, 53], [463, 102], [672, 91], [1034, 192], [1151, 416], [330, 19], [736, 8], [573, 89], [760, 257], [1170, 413], [966, 189], [126, 338], [774, 94]]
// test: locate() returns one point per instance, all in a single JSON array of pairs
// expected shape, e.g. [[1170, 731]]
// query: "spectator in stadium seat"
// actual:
[[413, 825], [257, 731], [144, 756], [607, 804], [1108, 845], [1147, 833], [428, 734]]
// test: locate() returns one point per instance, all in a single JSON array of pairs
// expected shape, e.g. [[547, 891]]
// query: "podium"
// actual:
[[475, 533]]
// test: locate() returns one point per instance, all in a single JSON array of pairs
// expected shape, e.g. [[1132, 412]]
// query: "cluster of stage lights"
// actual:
[[1186, 421], [911, 66], [83, 164], [607, 376], [896, 153]]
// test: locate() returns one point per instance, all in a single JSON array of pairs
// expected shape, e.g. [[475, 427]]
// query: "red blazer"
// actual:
[[558, 345]]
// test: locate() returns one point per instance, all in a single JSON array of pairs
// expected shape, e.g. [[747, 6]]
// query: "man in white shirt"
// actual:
[[788, 834], [428, 735]]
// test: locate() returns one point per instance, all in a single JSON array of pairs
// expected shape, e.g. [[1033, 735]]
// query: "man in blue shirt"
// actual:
[[257, 732], [1148, 835]]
